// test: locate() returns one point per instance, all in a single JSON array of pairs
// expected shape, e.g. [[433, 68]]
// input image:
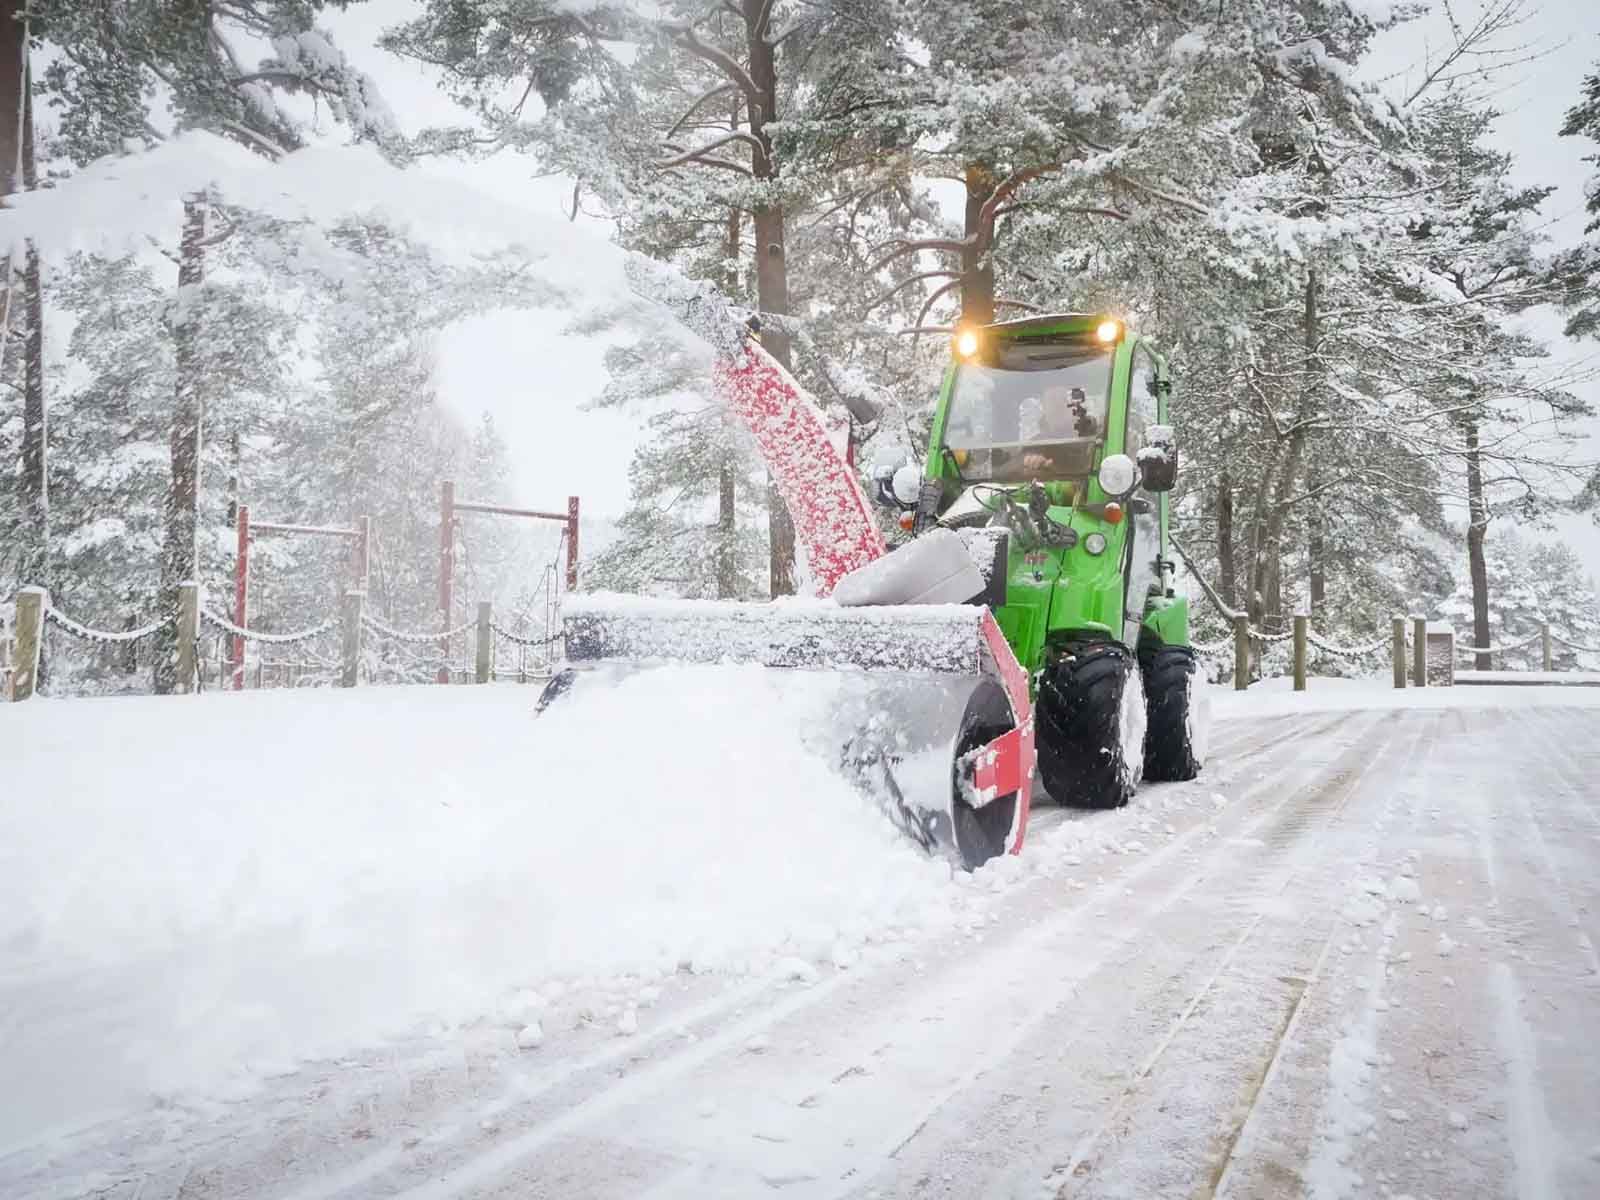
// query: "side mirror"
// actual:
[[1158, 460]]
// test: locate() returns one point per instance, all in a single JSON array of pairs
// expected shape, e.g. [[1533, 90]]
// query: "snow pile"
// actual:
[[240, 899]]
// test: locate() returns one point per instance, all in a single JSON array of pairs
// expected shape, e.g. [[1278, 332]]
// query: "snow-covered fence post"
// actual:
[[485, 639], [1241, 652], [1441, 654], [1544, 637], [31, 603], [1400, 652], [1299, 652], [188, 636], [1419, 651], [350, 639]]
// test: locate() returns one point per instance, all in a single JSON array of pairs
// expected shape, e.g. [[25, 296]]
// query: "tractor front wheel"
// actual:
[[1090, 725], [1175, 745]]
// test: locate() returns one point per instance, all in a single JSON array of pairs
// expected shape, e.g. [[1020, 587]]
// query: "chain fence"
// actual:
[[103, 637], [269, 639], [1472, 651], [373, 625]]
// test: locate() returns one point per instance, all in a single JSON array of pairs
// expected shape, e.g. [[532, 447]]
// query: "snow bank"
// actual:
[[193, 889]]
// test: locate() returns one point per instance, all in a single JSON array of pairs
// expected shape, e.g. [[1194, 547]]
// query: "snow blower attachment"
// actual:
[[923, 707]]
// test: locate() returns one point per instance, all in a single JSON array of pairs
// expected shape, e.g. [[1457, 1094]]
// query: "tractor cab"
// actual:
[[1020, 410]]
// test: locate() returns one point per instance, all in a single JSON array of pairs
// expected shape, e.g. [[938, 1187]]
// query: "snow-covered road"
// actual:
[[1358, 958]]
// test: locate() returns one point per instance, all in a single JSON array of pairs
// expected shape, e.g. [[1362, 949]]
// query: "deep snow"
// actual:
[[266, 876]]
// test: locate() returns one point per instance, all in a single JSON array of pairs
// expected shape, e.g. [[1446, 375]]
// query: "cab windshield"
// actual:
[[1033, 409]]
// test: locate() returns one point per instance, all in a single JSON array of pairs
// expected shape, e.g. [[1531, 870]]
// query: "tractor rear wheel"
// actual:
[[1089, 724], [1174, 746]]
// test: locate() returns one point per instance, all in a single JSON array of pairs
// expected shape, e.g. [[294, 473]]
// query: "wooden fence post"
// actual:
[[1241, 652], [350, 641], [1400, 652], [188, 635], [31, 603], [1419, 651], [1299, 652], [1549, 657], [485, 639]]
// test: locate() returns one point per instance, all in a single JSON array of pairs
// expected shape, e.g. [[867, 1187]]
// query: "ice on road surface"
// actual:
[[413, 942]]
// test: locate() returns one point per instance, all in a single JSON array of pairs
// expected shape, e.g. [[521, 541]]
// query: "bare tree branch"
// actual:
[[719, 90], [905, 283], [686, 37], [937, 292], [698, 153], [904, 247]]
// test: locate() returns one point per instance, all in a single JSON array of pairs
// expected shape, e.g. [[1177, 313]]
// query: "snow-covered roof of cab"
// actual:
[[1048, 321]]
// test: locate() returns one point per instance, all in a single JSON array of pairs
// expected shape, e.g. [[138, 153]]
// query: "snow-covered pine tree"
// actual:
[[1530, 583], [1576, 271], [110, 62]]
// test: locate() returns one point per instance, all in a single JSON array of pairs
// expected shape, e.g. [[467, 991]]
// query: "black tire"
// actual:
[[1170, 673], [1079, 723]]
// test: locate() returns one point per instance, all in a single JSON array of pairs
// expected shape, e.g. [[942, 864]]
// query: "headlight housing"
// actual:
[[1095, 543], [1117, 475]]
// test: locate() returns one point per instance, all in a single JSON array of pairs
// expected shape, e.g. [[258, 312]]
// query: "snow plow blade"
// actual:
[[922, 707]]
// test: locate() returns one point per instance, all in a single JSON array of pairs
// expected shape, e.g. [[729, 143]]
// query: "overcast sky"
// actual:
[[521, 368]]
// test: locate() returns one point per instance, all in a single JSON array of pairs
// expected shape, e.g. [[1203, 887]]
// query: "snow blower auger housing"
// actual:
[[1051, 448]]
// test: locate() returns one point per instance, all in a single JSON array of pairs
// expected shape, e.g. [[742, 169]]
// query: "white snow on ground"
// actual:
[[198, 894], [277, 874]]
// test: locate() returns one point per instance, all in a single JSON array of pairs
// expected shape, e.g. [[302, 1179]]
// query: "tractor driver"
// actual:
[[1064, 413]]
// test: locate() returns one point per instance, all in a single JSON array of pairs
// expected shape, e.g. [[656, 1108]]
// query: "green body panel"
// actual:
[[1056, 595], [1168, 619]]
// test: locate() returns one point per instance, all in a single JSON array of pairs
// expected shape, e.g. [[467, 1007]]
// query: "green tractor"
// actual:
[[1028, 621], [1051, 432]]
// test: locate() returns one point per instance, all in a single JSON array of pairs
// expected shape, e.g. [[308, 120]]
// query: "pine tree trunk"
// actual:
[[727, 536], [977, 267], [1270, 581], [1226, 582], [178, 550], [772, 269], [727, 498], [35, 479], [1477, 529], [1315, 550]]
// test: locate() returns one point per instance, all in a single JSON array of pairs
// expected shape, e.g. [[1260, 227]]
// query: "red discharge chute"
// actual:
[[833, 524]]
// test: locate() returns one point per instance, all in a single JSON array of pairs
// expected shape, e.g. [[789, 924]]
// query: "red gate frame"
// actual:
[[449, 507], [246, 530]]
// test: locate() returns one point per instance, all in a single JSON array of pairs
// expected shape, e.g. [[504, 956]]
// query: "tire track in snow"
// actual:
[[1550, 764], [1250, 1062], [1287, 1134], [1530, 1136], [986, 1108]]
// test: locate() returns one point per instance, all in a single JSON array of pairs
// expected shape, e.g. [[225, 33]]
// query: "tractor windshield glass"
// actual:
[[1029, 410]]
